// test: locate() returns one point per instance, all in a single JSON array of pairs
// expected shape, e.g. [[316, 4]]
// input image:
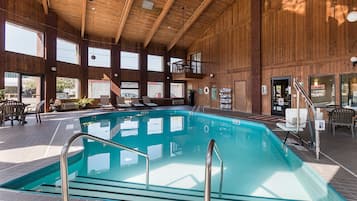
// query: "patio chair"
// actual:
[[13, 110], [135, 102], [290, 125], [38, 110], [342, 117], [147, 102], [121, 102], [105, 102]]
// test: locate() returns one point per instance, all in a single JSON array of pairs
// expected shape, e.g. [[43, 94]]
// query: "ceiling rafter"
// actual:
[[158, 22], [189, 23], [123, 17], [84, 11], [45, 6]]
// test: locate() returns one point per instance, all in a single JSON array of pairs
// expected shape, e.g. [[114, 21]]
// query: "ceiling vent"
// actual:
[[147, 4]]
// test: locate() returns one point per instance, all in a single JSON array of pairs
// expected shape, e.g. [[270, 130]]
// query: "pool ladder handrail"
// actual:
[[64, 162], [212, 146]]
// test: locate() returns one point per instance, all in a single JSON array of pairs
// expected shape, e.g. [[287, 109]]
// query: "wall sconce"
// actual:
[[354, 61], [53, 68], [168, 77], [116, 75], [211, 75], [168, 63]]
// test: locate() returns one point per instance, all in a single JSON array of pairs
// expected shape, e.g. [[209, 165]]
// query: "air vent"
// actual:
[[149, 5]]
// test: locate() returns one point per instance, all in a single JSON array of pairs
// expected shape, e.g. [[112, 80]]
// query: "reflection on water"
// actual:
[[177, 145]]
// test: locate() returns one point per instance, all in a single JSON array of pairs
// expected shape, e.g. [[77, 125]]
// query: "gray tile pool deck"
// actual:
[[24, 149]]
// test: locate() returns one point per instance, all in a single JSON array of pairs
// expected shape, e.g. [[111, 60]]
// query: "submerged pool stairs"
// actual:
[[106, 189]]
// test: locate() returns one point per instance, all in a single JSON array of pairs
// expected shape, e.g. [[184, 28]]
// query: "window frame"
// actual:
[[77, 51], [162, 92], [98, 66], [162, 63], [101, 94], [126, 68], [311, 77], [126, 88], [78, 90], [183, 90]]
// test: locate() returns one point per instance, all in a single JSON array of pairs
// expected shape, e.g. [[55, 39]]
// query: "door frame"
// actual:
[[271, 89]]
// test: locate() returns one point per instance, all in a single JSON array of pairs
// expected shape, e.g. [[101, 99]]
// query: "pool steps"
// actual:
[[117, 190]]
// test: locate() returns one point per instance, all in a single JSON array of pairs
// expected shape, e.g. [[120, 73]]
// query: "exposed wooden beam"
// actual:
[[84, 11], [123, 17], [158, 22], [189, 23], [45, 6]]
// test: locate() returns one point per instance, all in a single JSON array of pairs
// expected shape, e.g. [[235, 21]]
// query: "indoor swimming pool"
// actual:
[[257, 166]]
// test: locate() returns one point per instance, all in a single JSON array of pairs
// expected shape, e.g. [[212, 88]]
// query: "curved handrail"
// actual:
[[212, 146], [64, 154]]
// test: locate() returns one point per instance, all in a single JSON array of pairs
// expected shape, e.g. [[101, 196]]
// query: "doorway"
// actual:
[[280, 95], [240, 95]]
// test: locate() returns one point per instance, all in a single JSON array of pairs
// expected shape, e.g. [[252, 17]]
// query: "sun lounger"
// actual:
[[135, 102], [147, 102], [121, 102]]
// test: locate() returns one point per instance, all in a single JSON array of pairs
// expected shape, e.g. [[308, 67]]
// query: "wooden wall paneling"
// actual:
[[166, 75], [24, 64], [2, 42], [115, 75], [51, 50], [95, 73], [83, 47], [69, 70], [256, 68], [143, 71]]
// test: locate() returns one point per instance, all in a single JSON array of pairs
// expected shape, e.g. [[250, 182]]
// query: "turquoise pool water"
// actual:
[[255, 161]]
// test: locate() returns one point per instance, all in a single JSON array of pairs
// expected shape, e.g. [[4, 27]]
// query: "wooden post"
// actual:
[[143, 71], [167, 75], [83, 46], [115, 76], [2, 43]]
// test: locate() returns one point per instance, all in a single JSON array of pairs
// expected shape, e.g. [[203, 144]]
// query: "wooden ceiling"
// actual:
[[127, 19]]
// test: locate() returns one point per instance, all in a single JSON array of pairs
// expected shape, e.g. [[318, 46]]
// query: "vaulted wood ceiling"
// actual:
[[103, 18]]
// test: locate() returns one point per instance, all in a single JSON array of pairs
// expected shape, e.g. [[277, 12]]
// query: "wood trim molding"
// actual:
[[45, 6], [189, 23], [84, 10], [158, 21], [123, 17]]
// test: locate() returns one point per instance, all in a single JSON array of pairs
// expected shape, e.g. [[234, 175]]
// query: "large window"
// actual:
[[349, 90], [155, 63], [98, 57], [67, 51], [173, 60], [129, 89], [196, 60], [155, 89], [177, 90], [97, 88], [129, 60], [67, 88], [12, 86], [23, 40], [322, 90]]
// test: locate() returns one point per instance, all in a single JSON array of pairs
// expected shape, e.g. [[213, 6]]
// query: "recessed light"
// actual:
[[93, 9]]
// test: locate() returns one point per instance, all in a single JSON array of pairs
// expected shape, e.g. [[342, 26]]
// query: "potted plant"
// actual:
[[2, 94], [84, 102]]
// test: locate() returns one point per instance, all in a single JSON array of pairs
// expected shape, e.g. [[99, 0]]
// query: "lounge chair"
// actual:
[[121, 102], [105, 102], [290, 125], [135, 102], [147, 102], [343, 117]]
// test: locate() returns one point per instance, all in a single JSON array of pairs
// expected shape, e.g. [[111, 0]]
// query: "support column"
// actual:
[[167, 91], [256, 73], [51, 50], [143, 71], [83, 46], [115, 76], [2, 43]]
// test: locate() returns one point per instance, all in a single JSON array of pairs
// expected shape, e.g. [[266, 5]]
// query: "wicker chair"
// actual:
[[13, 110], [342, 117]]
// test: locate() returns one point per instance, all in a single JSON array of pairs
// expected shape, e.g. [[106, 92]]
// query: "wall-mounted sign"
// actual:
[[214, 93], [200, 91], [264, 90]]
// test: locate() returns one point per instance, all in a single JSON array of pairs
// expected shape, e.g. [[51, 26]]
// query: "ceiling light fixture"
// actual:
[[352, 15], [93, 8], [148, 5]]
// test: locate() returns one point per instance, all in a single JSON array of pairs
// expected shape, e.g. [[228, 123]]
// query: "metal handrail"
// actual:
[[212, 146], [64, 154]]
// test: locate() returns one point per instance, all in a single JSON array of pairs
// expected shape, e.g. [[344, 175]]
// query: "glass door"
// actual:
[[30, 90], [281, 96]]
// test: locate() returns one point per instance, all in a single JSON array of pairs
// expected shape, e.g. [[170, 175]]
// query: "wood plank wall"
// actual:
[[29, 13], [299, 39]]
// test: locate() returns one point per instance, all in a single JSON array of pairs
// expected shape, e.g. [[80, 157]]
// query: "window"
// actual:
[[196, 62], [155, 89], [98, 57], [23, 40], [129, 89], [67, 88], [322, 90], [177, 90], [12, 86], [349, 90], [97, 88], [67, 51], [155, 63], [173, 60], [129, 60]]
